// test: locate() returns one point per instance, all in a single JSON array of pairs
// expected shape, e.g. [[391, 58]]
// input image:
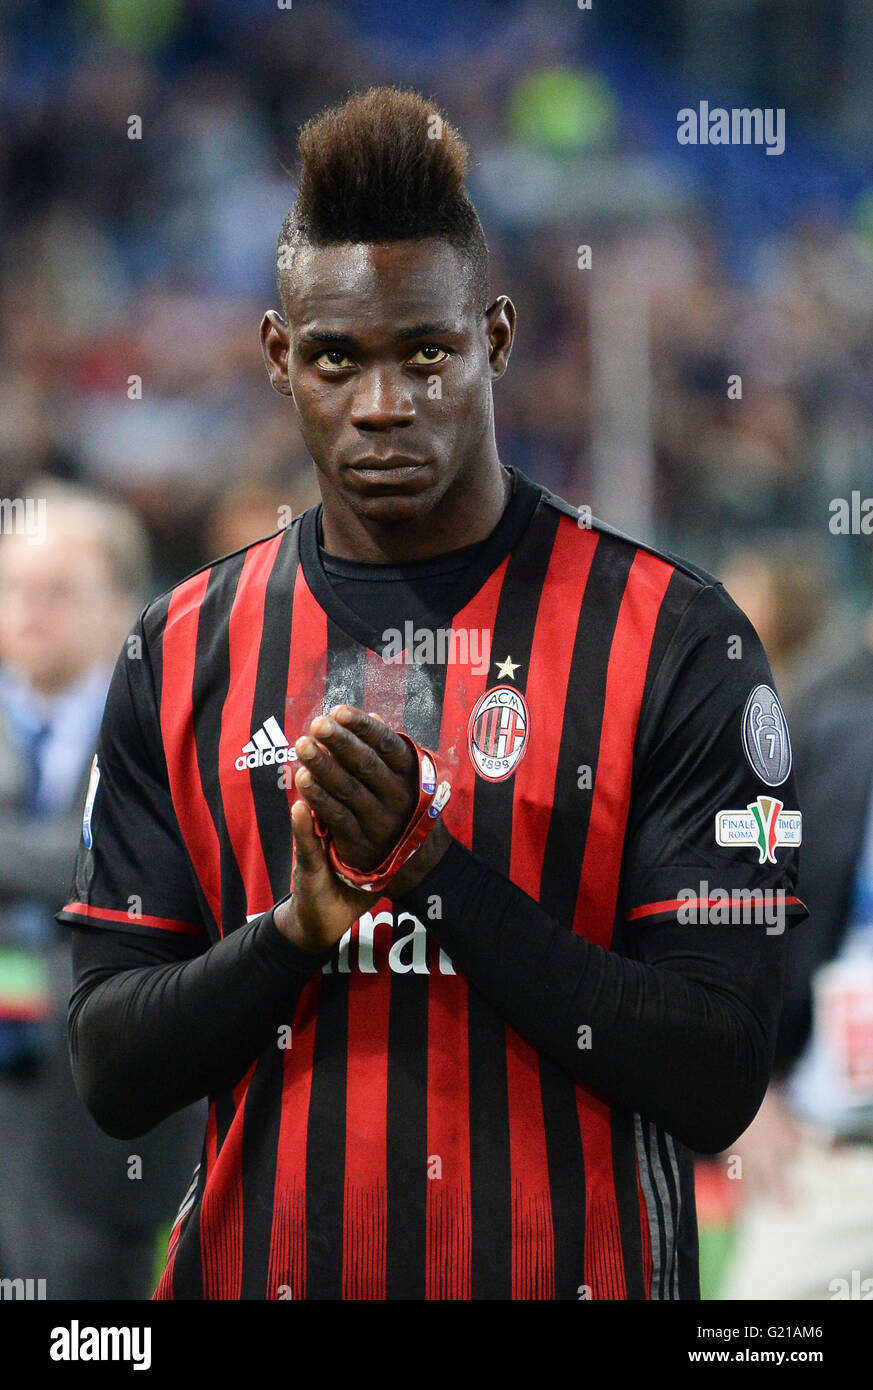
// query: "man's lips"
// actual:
[[371, 462], [390, 468]]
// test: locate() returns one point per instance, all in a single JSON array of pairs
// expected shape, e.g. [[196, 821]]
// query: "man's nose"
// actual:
[[382, 399]]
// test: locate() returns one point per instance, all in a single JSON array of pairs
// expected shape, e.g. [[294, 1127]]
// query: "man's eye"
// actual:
[[420, 359], [333, 360]]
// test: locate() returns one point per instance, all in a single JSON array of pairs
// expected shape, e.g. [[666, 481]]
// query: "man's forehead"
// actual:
[[402, 282]]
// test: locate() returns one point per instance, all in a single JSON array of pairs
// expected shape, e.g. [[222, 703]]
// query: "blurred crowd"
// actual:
[[146, 164], [137, 260]]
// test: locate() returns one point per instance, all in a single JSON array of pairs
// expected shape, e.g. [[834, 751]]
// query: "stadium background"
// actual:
[[154, 257]]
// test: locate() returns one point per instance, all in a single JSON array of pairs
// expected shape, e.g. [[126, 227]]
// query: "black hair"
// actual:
[[385, 166]]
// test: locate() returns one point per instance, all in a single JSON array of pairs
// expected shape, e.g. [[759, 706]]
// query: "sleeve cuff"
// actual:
[[284, 952], [452, 879]]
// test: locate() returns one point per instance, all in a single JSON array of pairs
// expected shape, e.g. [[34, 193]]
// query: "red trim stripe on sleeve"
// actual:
[[673, 904], [142, 919]]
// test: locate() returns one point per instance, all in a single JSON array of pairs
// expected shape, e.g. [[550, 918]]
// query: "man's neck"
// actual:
[[465, 514]]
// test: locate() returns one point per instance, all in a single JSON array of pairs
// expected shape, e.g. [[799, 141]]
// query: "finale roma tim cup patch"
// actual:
[[764, 823]]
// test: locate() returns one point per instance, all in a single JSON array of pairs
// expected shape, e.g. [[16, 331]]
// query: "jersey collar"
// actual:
[[519, 510]]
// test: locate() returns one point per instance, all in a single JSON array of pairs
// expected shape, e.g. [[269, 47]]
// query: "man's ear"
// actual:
[[500, 327], [275, 345]]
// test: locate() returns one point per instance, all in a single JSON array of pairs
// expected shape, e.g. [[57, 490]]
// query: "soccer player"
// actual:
[[478, 1071]]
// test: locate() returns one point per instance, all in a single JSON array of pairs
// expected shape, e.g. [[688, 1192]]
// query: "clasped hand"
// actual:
[[361, 779]]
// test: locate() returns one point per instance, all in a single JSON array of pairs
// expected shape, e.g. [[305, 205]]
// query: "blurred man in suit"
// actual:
[[77, 1209]]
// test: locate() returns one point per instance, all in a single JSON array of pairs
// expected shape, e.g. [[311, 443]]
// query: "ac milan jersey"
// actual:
[[405, 1141]]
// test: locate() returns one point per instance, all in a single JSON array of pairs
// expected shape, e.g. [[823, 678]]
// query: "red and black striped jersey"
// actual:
[[617, 753]]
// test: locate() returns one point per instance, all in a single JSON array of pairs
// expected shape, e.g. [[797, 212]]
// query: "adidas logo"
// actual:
[[269, 745]]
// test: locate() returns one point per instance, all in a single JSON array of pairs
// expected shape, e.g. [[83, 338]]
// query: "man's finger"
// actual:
[[332, 813], [373, 730], [370, 750], [369, 806], [354, 845], [354, 761], [308, 849]]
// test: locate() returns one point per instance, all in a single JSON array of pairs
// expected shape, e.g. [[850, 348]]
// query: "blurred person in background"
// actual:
[[847, 667], [76, 1209], [244, 513], [805, 1229], [781, 583]]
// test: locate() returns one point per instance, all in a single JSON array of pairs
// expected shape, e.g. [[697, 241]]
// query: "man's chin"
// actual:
[[394, 509], [392, 496]]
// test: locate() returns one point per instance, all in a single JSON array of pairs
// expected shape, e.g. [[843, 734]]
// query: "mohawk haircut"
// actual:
[[385, 166]]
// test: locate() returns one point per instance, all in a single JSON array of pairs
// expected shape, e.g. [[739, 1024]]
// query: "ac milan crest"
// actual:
[[498, 732]]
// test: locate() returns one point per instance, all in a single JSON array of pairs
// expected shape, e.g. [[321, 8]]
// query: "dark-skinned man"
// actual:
[[528, 768]]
